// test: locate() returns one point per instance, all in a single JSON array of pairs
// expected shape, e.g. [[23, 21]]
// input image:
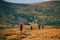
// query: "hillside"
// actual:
[[47, 13]]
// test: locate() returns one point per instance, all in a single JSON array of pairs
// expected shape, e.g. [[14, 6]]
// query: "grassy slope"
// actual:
[[45, 13], [42, 34]]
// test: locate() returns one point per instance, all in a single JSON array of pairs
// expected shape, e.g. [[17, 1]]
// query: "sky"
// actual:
[[25, 1]]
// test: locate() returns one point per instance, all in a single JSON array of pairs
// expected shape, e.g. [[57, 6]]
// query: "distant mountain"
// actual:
[[47, 13]]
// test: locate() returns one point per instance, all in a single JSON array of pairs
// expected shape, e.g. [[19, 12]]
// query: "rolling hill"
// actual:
[[46, 13]]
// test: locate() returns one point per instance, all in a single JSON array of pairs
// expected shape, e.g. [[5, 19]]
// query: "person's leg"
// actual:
[[39, 27], [31, 27], [42, 26], [21, 29]]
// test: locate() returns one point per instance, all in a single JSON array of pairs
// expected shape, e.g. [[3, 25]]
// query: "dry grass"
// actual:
[[48, 33]]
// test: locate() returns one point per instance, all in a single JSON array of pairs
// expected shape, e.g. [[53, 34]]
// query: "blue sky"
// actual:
[[25, 1]]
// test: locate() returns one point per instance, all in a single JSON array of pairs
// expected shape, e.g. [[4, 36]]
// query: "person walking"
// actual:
[[31, 28], [42, 26], [39, 27], [21, 26]]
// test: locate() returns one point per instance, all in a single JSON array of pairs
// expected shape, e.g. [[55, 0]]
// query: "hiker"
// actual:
[[21, 26], [31, 28], [42, 26], [39, 27]]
